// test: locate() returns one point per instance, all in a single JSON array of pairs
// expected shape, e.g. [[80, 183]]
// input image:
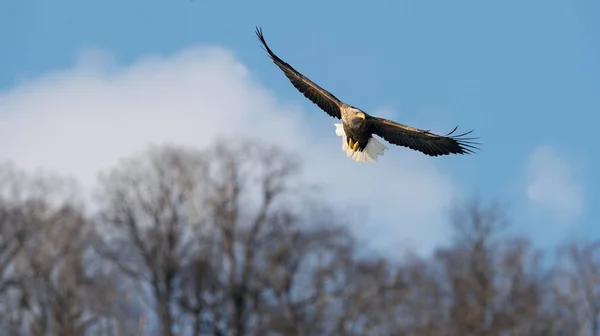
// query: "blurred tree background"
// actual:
[[229, 241]]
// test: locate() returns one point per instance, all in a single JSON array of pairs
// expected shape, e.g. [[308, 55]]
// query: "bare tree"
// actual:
[[258, 232], [147, 222], [247, 188], [495, 284], [578, 285], [12, 234], [54, 288], [63, 293]]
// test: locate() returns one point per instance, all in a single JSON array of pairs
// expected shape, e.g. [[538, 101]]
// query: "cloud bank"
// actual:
[[552, 186], [82, 120]]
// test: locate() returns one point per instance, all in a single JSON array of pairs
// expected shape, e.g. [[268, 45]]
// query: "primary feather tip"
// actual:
[[372, 151]]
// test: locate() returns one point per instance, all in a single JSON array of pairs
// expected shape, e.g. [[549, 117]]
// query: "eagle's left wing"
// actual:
[[421, 140], [319, 96]]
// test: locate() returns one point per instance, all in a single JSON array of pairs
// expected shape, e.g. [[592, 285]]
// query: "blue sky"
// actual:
[[524, 74]]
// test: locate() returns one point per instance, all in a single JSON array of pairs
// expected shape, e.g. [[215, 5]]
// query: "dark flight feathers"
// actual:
[[316, 94], [422, 140], [393, 132]]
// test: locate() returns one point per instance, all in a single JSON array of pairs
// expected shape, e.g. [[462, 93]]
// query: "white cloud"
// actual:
[[83, 119], [552, 186]]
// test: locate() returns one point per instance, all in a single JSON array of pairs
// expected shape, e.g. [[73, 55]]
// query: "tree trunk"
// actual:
[[164, 315]]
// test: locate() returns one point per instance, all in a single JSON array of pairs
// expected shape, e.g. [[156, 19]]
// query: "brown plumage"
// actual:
[[359, 125]]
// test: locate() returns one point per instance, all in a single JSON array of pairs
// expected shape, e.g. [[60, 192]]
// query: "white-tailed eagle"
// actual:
[[357, 127]]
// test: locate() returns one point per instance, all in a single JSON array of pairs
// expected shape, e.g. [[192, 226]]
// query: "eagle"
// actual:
[[358, 127]]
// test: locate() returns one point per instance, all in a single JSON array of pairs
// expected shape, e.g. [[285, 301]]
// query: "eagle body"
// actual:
[[357, 136], [358, 127]]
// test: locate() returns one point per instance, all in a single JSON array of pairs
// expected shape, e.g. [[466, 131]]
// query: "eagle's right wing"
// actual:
[[319, 96]]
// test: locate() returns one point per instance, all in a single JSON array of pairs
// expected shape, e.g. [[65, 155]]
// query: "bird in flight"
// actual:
[[358, 127]]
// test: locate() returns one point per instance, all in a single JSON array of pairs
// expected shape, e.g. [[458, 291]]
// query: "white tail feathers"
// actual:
[[374, 147]]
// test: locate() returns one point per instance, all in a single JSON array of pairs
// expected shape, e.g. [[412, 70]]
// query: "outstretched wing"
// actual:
[[422, 140], [319, 96]]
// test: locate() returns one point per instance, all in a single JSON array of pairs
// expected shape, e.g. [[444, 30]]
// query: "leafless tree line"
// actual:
[[230, 241]]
